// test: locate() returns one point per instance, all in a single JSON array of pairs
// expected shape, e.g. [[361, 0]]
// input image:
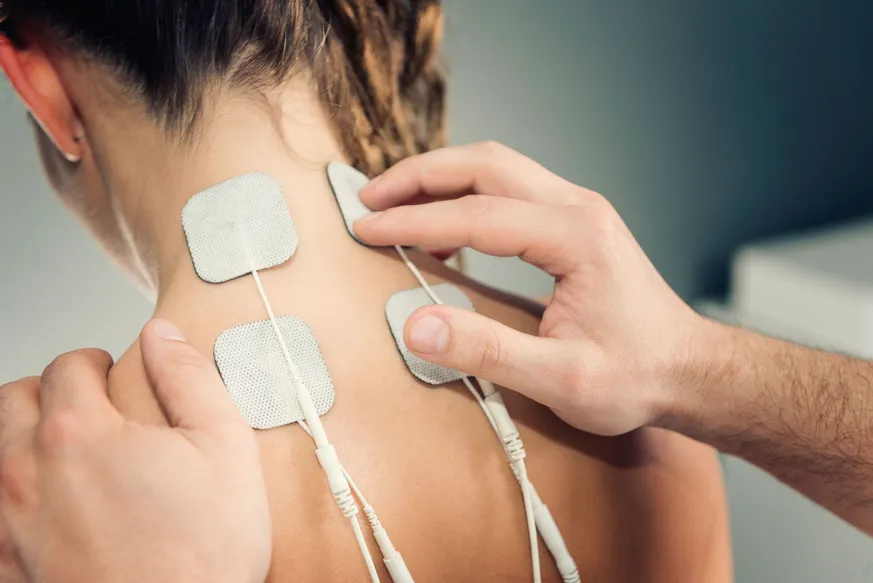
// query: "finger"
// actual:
[[77, 381], [187, 385], [483, 168], [19, 410], [540, 235], [477, 346]]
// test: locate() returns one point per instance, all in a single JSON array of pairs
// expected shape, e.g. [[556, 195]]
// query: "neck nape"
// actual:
[[153, 179]]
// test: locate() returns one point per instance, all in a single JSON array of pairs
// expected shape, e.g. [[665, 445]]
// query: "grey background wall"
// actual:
[[707, 124]]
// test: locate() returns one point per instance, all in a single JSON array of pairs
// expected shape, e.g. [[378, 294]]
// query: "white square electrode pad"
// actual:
[[346, 183], [254, 369], [401, 306], [236, 225]]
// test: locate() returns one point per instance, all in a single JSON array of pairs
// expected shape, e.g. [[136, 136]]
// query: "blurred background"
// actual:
[[709, 126]]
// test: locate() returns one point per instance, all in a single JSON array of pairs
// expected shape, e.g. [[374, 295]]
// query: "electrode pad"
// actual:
[[401, 306], [254, 369], [346, 183], [238, 225]]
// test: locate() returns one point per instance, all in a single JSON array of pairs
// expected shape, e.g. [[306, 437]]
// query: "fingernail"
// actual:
[[429, 335], [167, 330]]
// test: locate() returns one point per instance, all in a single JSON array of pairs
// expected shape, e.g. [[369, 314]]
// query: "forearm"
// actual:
[[805, 416]]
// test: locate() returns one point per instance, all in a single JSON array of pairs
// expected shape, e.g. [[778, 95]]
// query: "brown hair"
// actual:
[[375, 62]]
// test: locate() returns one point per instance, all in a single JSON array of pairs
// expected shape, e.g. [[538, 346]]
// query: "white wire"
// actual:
[[359, 535], [365, 550], [531, 521], [358, 494], [319, 435], [418, 275], [303, 396], [310, 413], [523, 479]]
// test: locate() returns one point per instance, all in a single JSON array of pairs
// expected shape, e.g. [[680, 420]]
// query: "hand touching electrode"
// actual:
[[88, 496], [618, 349], [612, 340]]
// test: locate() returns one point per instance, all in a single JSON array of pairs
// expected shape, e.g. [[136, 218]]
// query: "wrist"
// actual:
[[700, 378]]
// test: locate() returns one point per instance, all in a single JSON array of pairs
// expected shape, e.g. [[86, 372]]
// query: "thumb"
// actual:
[[187, 385], [480, 347]]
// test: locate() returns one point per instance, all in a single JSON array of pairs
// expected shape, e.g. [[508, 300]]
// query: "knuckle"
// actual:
[[489, 149], [11, 392], [60, 430], [598, 206], [490, 355], [477, 207], [601, 218], [603, 210], [476, 210], [16, 476], [427, 170], [64, 364], [27, 384], [583, 195]]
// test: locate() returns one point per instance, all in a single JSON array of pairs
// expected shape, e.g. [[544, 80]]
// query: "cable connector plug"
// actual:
[[548, 529], [336, 479], [394, 563], [509, 433]]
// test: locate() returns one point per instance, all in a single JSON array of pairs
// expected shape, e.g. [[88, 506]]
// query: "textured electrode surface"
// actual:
[[401, 306], [346, 184], [254, 369], [237, 225]]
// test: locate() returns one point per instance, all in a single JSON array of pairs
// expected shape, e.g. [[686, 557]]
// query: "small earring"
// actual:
[[72, 158]]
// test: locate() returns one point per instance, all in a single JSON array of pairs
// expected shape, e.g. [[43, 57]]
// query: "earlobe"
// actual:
[[36, 81]]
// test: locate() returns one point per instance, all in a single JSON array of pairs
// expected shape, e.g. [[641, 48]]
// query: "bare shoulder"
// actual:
[[659, 494]]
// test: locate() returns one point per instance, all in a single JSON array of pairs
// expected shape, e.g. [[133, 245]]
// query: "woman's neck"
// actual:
[[153, 176]]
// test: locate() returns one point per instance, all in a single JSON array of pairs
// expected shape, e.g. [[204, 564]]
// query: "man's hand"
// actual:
[[615, 337], [87, 496], [617, 348]]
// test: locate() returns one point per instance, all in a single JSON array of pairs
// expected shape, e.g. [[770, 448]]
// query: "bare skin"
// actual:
[[428, 461], [621, 350], [649, 505], [84, 492], [807, 416]]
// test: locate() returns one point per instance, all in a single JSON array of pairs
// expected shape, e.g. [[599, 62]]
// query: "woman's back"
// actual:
[[646, 506]]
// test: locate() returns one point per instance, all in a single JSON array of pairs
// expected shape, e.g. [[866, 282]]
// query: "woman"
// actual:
[[142, 104]]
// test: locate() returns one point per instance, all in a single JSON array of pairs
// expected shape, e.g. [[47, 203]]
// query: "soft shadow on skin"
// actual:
[[628, 451]]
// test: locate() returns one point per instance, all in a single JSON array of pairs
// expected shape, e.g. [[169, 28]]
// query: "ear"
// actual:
[[35, 79]]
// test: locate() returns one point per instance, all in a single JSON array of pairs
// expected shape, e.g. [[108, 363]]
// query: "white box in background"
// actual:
[[816, 287]]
